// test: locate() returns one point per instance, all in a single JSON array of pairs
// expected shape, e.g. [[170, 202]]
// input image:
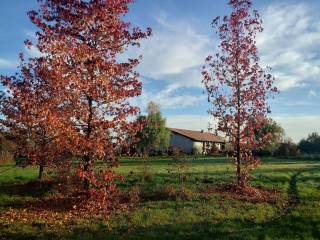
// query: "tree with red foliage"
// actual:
[[24, 103], [88, 87], [237, 86], [83, 41]]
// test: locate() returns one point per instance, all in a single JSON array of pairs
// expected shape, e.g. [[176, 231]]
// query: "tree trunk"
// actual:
[[239, 180], [238, 147], [87, 158], [41, 168], [86, 168]]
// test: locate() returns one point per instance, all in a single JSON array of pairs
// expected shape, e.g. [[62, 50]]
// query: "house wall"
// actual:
[[189, 146], [197, 147], [183, 143], [218, 146]]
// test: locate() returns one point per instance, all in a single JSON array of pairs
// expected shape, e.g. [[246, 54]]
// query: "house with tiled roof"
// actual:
[[195, 142]]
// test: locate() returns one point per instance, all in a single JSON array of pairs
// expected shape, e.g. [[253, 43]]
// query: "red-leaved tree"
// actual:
[[237, 86], [82, 41], [24, 105], [87, 87]]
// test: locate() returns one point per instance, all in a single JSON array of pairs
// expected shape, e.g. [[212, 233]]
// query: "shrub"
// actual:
[[174, 152], [147, 177], [133, 195], [179, 167], [185, 193], [7, 150], [6, 157], [262, 153], [171, 192], [228, 149]]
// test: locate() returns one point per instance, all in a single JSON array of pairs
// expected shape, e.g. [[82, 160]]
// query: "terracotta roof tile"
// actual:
[[197, 135]]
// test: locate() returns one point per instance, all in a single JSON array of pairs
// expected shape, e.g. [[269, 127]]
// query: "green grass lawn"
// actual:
[[296, 216]]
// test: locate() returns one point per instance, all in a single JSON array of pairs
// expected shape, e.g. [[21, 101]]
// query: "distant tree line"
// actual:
[[310, 145], [281, 146]]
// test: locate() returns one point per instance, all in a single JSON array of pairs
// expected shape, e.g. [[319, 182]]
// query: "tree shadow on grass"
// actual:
[[203, 161], [168, 161], [32, 189], [293, 194], [289, 161], [286, 227]]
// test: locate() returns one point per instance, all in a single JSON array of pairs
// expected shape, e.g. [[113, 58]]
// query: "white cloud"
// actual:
[[191, 122], [33, 51], [290, 44], [299, 103], [174, 53], [4, 63], [190, 77], [13, 64], [169, 98], [312, 94], [298, 127], [30, 33]]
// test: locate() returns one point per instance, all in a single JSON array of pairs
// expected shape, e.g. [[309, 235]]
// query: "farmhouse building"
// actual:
[[195, 142]]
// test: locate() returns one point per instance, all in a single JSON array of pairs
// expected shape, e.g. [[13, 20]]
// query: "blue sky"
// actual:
[[181, 40]]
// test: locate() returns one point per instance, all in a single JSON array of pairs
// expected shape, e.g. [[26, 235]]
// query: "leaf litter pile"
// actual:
[[58, 209], [246, 193]]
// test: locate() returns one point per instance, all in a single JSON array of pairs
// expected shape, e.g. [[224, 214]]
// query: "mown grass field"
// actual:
[[295, 216]]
